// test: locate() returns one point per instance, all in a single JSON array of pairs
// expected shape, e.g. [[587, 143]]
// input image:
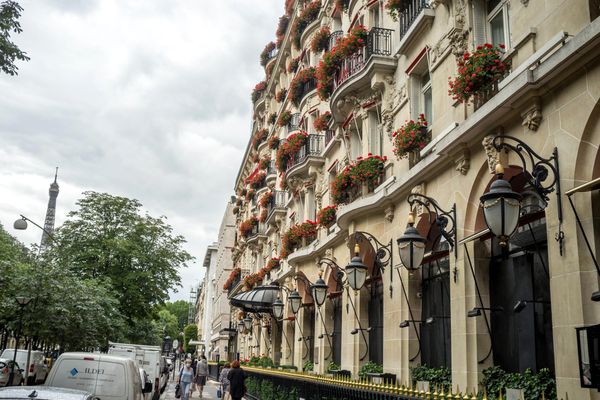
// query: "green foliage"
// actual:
[[370, 368], [166, 324], [308, 366], [266, 390], [333, 367], [265, 362], [190, 332], [10, 12], [437, 377], [180, 309], [108, 238], [252, 385], [496, 380]]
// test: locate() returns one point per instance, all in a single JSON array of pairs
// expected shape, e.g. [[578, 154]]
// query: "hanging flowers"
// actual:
[[332, 60], [264, 162], [284, 21], [294, 236], [258, 90], [263, 215], [293, 65], [412, 136], [257, 179], [232, 276], [251, 280], [320, 40], [322, 122], [284, 119], [247, 226], [394, 8], [288, 149], [273, 143], [265, 199], [297, 86], [265, 56], [326, 216], [367, 171], [477, 72], [259, 137], [280, 95], [307, 15], [272, 118], [250, 194], [272, 264]]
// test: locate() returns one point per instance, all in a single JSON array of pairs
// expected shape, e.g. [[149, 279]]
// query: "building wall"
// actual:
[[550, 99]]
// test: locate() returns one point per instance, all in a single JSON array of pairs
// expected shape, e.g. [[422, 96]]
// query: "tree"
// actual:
[[180, 309], [10, 11], [108, 238], [190, 332]]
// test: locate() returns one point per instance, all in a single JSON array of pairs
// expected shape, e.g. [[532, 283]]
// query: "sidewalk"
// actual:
[[210, 391]]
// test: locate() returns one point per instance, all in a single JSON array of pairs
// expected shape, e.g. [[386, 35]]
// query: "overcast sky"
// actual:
[[148, 99]]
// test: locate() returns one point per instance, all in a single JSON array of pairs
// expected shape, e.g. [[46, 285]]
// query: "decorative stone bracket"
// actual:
[[532, 116]]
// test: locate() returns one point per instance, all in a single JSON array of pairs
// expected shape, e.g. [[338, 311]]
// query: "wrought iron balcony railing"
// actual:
[[329, 135], [294, 124], [312, 147], [277, 202], [379, 42], [307, 87], [410, 13], [259, 229], [335, 36]]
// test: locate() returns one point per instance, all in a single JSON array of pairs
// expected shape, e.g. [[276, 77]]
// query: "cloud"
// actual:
[[144, 99]]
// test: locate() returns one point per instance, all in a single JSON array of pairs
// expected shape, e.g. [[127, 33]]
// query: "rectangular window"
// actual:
[[421, 91], [497, 22], [375, 135], [426, 99]]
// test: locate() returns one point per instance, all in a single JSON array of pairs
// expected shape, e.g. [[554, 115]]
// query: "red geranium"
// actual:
[[259, 137], [273, 143], [412, 136], [280, 95], [367, 171], [258, 90], [307, 15], [320, 40], [322, 122], [265, 55], [247, 226], [297, 85], [284, 118], [326, 216], [293, 237], [288, 149]]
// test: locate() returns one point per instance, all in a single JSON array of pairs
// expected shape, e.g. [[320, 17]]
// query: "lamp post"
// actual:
[[295, 301], [248, 323], [476, 311], [21, 224], [22, 301], [411, 246], [319, 290], [356, 271], [240, 327]]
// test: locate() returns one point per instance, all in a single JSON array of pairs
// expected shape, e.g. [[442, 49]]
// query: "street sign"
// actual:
[[175, 343]]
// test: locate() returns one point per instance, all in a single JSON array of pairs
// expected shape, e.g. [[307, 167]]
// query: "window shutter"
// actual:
[[479, 22]]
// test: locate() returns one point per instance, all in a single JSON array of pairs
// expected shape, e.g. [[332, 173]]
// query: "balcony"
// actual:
[[306, 88], [272, 55], [413, 20], [329, 135], [357, 71], [335, 36], [294, 124], [271, 173], [257, 233], [234, 284], [308, 156], [276, 207]]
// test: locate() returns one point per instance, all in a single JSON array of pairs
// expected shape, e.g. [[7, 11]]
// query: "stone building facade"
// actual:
[[459, 308]]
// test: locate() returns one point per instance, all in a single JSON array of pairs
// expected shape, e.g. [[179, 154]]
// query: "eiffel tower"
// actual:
[[51, 211]]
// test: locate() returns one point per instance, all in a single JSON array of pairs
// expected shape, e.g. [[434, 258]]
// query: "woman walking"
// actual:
[[224, 381], [236, 376], [186, 377], [201, 374]]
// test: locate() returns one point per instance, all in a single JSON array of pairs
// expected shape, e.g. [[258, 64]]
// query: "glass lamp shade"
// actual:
[[411, 246], [22, 300], [357, 273], [248, 323], [20, 224], [278, 308], [319, 290], [241, 327], [295, 301], [501, 209]]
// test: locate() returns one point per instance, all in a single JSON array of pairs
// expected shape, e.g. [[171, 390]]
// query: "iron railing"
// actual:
[[272, 54], [379, 42], [408, 16], [329, 135], [258, 229], [271, 169], [335, 36], [234, 283], [277, 201], [312, 147], [294, 124], [307, 87]]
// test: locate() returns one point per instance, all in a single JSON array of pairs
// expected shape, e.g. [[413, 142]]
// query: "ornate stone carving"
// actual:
[[419, 189], [491, 152], [391, 99], [460, 14], [458, 42], [532, 117], [462, 160], [389, 212]]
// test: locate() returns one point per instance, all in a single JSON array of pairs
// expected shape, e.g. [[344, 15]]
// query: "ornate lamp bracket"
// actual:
[[537, 172], [383, 254]]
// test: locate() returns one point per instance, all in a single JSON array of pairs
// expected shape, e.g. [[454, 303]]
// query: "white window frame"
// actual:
[[418, 90], [502, 6]]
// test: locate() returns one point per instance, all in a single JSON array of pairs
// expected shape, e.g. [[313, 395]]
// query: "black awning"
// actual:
[[259, 299]]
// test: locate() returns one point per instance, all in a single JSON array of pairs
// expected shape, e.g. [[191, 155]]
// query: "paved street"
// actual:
[[210, 391]]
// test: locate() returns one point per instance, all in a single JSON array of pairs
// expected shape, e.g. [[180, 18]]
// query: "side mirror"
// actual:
[[147, 387]]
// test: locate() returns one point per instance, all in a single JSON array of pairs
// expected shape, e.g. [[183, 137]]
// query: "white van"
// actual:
[[36, 371], [106, 377], [149, 358]]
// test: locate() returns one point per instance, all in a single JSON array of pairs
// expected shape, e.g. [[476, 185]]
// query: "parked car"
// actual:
[[145, 381], [38, 365], [43, 393], [105, 376], [5, 368]]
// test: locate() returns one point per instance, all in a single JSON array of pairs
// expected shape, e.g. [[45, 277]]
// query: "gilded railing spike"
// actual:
[[501, 397], [543, 396], [485, 394]]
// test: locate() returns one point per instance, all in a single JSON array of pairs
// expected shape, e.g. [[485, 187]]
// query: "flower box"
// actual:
[[284, 119], [280, 95], [259, 137], [298, 235], [411, 137], [365, 172], [322, 122], [307, 15], [298, 83], [265, 56], [247, 226], [258, 90], [289, 148], [274, 143], [326, 217], [320, 40]]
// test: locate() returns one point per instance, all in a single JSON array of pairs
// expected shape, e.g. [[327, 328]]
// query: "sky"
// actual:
[[147, 99]]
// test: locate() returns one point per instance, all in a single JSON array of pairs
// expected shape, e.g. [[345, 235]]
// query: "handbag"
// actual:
[[220, 392], [177, 391]]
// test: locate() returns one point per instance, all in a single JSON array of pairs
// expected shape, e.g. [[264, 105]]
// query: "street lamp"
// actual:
[[521, 304], [248, 323], [476, 311], [295, 301], [278, 308], [411, 245], [22, 301], [21, 224], [356, 270], [501, 207], [319, 289], [406, 323], [240, 327]]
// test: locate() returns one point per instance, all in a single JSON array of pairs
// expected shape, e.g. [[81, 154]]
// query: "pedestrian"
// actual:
[[237, 378], [224, 381], [186, 377], [201, 374], [194, 365]]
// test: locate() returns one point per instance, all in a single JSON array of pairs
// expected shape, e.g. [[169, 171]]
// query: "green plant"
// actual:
[[288, 149], [308, 366], [326, 216], [412, 136], [477, 72], [265, 362], [266, 389], [284, 119], [266, 53], [292, 238], [496, 380], [333, 367], [190, 332], [297, 85], [320, 40], [307, 15], [370, 367], [364, 171], [251, 385], [258, 90], [437, 377], [322, 122]]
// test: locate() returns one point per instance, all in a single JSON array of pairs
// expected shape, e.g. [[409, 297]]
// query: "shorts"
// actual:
[[201, 380]]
